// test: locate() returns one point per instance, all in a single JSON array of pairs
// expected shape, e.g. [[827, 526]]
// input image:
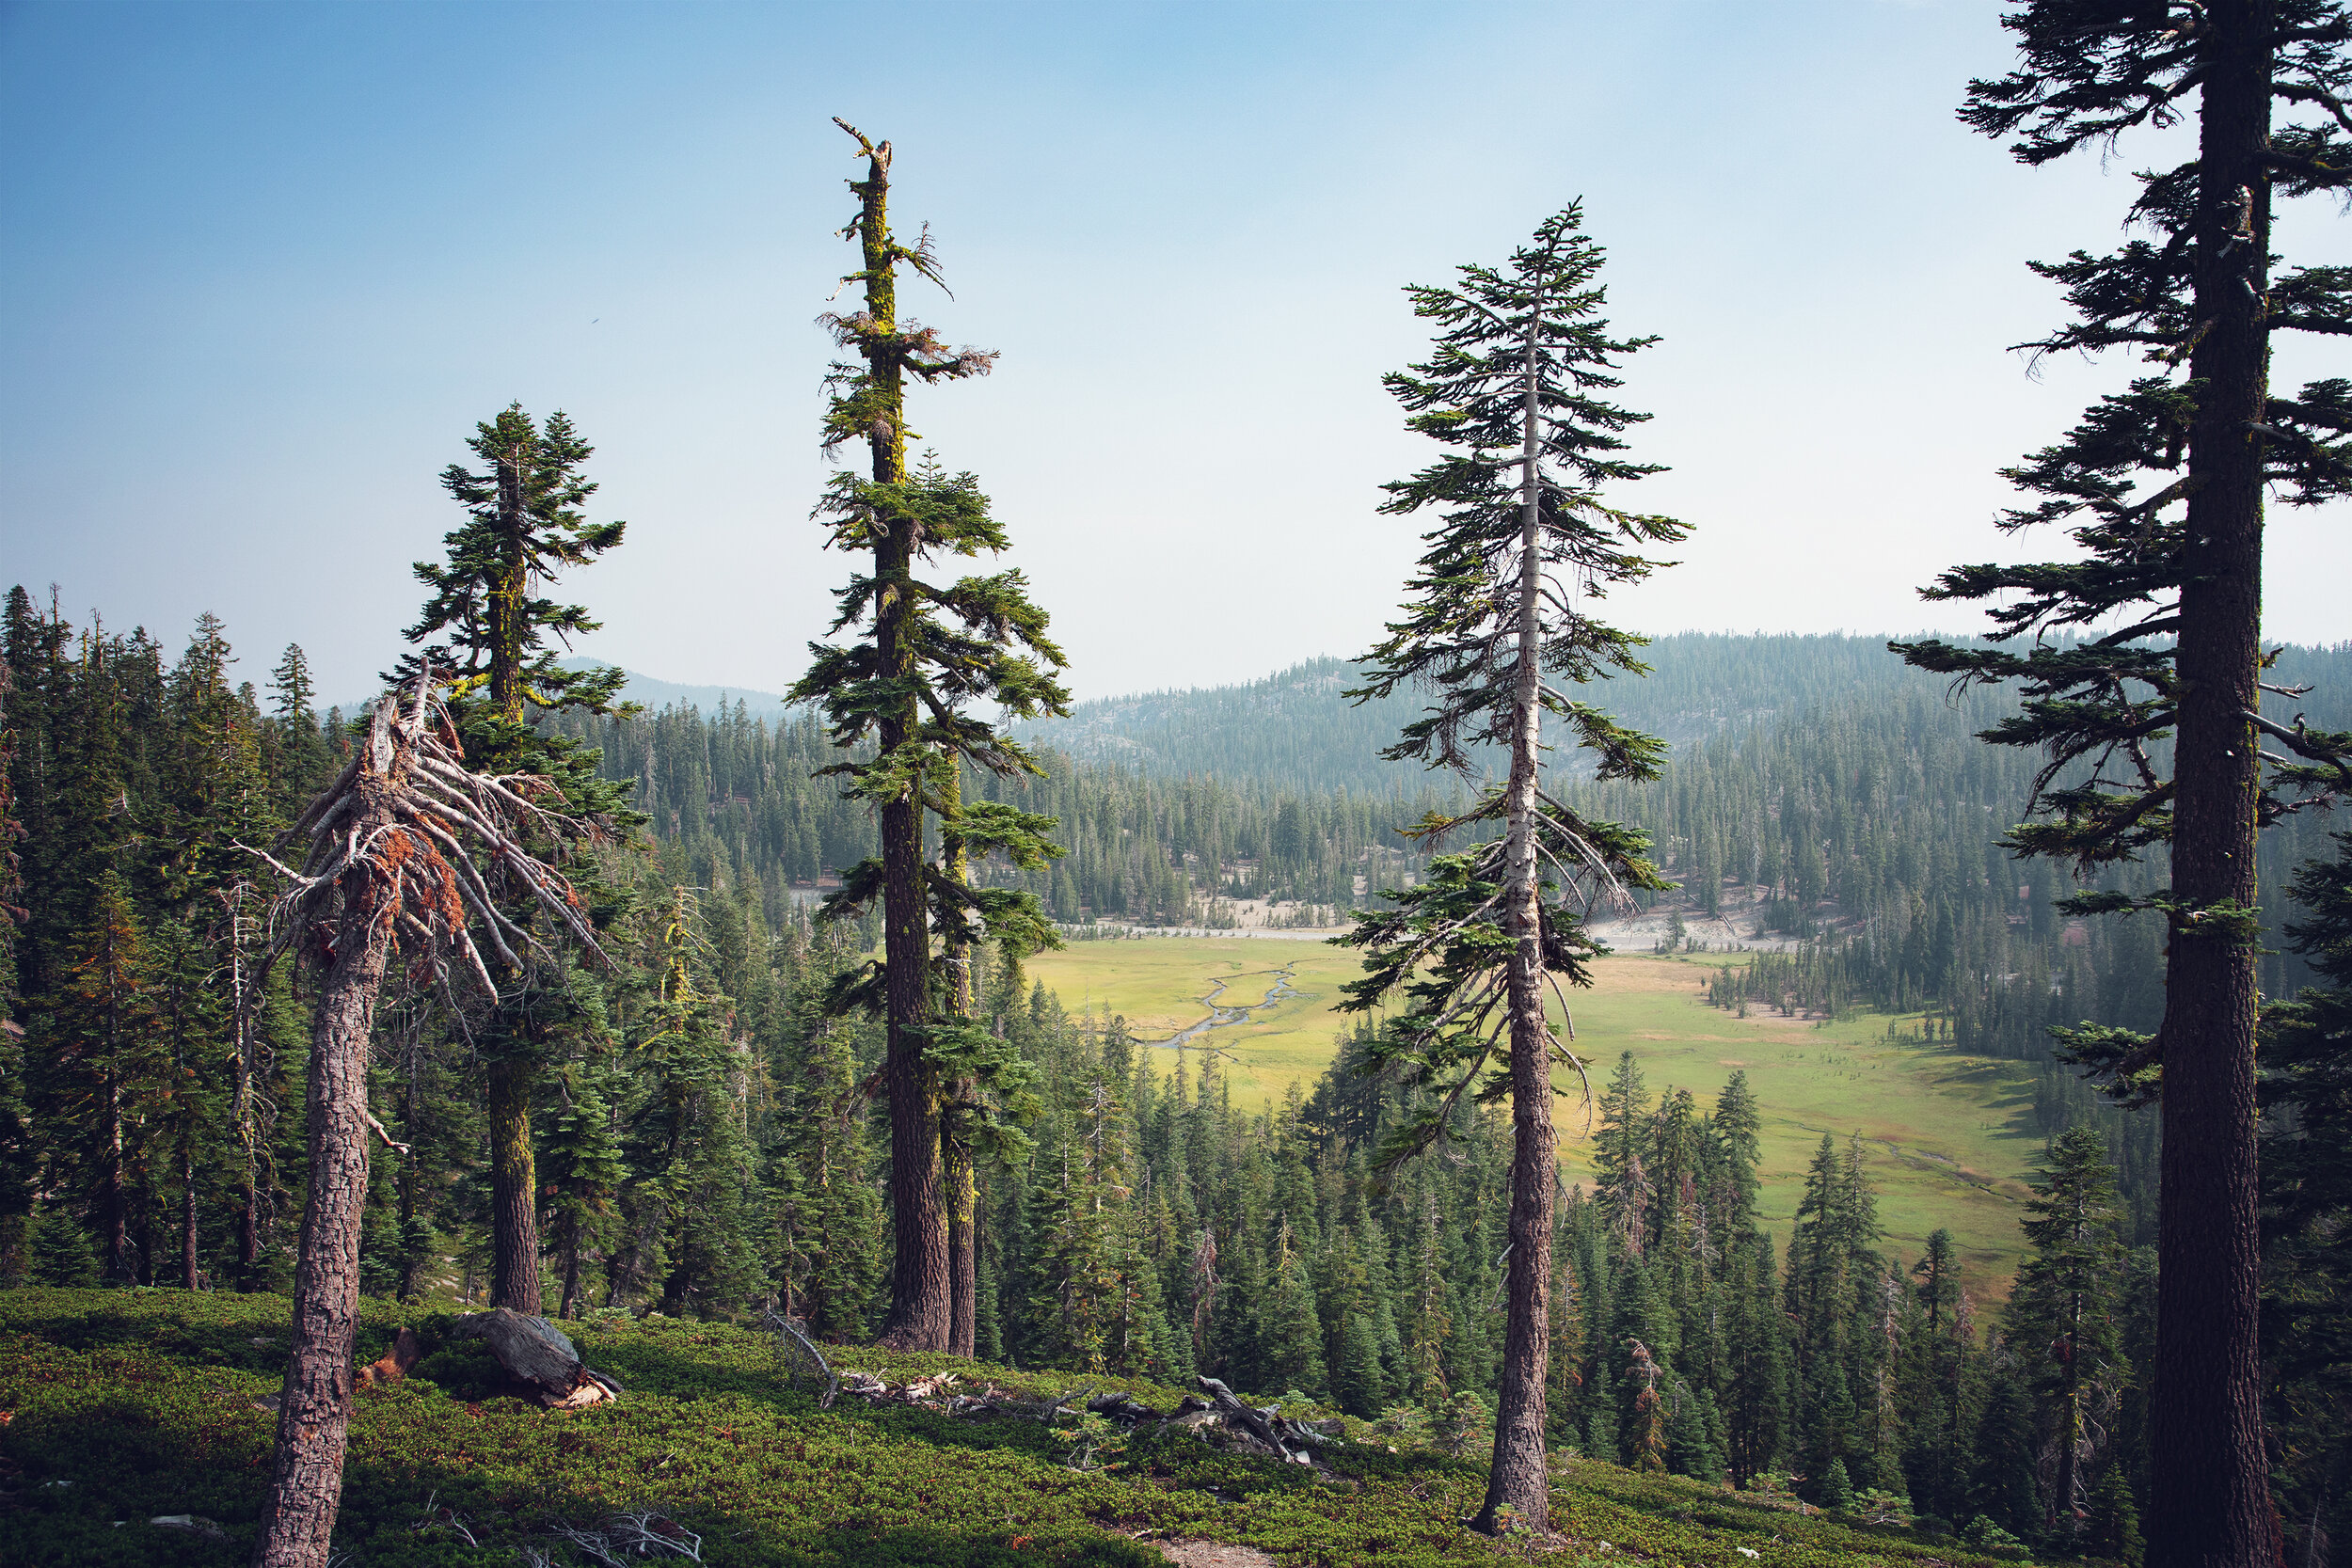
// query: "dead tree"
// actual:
[[391, 862]]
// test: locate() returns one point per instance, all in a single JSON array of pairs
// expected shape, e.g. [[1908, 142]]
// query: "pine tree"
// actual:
[[1933, 1460], [59, 1250], [582, 1173], [1359, 1384], [1835, 1492], [2002, 1484], [1622, 1186], [932, 652], [2307, 1196], [2111, 1533], [1519, 369], [1291, 1332], [2062, 1316], [2163, 489], [1756, 1413], [101, 1032], [524, 524], [1737, 1123]]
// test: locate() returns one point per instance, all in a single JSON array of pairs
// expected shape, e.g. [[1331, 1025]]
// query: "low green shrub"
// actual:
[[127, 1406]]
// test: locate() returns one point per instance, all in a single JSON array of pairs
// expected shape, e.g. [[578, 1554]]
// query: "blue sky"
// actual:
[[265, 265]]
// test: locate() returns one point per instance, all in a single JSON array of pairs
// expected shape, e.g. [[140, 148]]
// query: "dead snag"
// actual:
[[389, 862]]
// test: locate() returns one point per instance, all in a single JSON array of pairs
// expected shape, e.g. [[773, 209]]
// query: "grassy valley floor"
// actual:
[[1948, 1137], [124, 1406]]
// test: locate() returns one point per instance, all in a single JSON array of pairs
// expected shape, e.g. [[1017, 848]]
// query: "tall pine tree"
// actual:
[[928, 652], [1515, 388], [2162, 486], [499, 656]]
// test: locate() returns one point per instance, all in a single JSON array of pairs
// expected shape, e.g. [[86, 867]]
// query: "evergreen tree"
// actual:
[[1623, 1187], [1737, 1124], [1756, 1400], [2163, 487], [524, 524], [932, 651], [583, 1172], [60, 1251], [2002, 1483], [2111, 1533], [2307, 1195], [102, 1030], [1519, 369], [1836, 1488], [2062, 1316]]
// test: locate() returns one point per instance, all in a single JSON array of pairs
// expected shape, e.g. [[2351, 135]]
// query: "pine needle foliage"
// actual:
[[1496, 624], [925, 654], [2148, 708]]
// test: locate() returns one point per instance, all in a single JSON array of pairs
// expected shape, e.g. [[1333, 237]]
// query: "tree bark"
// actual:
[[190, 1276], [315, 1413], [513, 1215], [1521, 1478], [241, 1064], [113, 1203], [2209, 1504], [921, 1316], [921, 1313], [514, 1185], [957, 1177]]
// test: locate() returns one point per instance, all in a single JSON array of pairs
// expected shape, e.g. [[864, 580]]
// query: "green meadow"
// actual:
[[1948, 1137]]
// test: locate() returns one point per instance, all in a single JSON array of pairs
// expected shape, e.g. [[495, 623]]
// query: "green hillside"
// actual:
[[122, 1407]]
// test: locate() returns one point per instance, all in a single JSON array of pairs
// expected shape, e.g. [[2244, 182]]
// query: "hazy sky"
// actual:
[[263, 267]]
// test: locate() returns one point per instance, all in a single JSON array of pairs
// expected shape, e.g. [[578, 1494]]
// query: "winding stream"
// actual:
[[1222, 1016]]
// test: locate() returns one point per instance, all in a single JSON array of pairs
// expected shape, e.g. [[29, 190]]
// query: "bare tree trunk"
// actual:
[[957, 1177], [514, 1214], [1521, 1481], [314, 1414], [241, 1065], [189, 1276], [248, 1230], [2209, 1503], [569, 1309]]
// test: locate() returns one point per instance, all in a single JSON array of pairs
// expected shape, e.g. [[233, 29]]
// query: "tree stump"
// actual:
[[395, 1362], [541, 1361]]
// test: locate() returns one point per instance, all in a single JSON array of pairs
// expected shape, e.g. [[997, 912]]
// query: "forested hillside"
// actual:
[[704, 1145], [1822, 799]]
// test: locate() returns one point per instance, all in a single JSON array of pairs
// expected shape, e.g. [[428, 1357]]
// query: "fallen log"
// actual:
[[1254, 1423], [539, 1360], [1265, 1425], [1122, 1407]]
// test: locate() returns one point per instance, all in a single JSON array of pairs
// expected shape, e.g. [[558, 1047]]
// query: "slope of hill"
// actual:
[[1295, 729], [131, 1409]]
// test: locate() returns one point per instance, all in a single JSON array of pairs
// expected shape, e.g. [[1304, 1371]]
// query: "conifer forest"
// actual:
[[496, 1120]]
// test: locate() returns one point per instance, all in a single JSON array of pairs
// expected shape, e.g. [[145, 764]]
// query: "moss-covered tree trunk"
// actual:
[[514, 1217], [921, 1309], [513, 1074]]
